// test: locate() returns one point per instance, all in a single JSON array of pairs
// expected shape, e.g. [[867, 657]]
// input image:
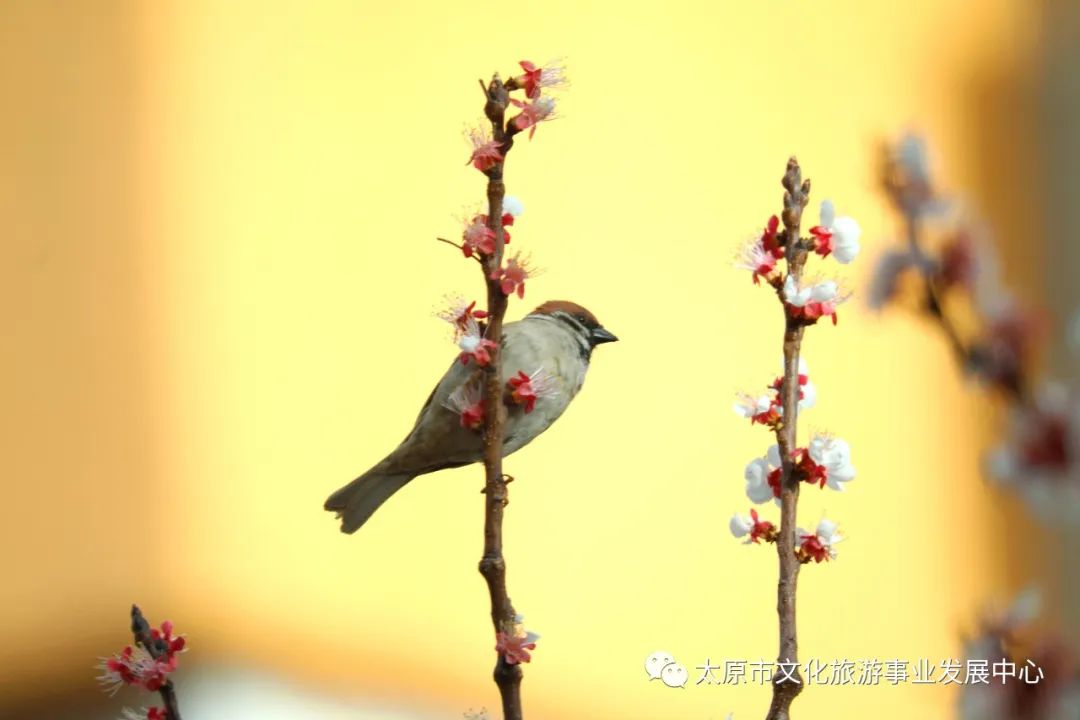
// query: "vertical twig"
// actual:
[[492, 564], [157, 649], [785, 690]]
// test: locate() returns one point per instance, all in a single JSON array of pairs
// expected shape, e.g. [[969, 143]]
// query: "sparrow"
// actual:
[[555, 341]]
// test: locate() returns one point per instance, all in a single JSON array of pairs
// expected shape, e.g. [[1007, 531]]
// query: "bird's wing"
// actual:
[[420, 415], [437, 438]]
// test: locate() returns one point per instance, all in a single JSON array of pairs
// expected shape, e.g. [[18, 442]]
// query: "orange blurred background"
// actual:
[[218, 276]]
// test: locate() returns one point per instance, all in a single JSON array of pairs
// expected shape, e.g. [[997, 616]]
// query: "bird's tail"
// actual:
[[356, 502]]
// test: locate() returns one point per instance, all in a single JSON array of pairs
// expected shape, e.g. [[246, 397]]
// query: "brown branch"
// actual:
[[157, 648], [785, 690], [492, 564]]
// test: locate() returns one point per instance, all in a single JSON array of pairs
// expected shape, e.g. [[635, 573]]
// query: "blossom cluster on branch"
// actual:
[[482, 399], [947, 271], [826, 460], [147, 664], [777, 258]]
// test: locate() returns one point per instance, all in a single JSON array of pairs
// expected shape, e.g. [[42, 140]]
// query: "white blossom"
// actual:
[[826, 534], [748, 406], [799, 293], [740, 525], [512, 206], [834, 455], [845, 233], [757, 476]]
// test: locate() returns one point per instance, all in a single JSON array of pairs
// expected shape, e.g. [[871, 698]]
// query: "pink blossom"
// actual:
[[478, 237], [539, 110], [468, 402], [172, 644], [536, 78], [823, 244], [135, 666], [527, 389], [513, 275], [459, 314], [514, 647], [758, 260], [486, 153], [770, 238], [474, 346]]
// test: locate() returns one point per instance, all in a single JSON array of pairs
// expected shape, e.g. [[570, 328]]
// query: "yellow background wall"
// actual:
[[218, 275]]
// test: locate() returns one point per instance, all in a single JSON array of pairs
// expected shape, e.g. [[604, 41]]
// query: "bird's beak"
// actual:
[[602, 335]]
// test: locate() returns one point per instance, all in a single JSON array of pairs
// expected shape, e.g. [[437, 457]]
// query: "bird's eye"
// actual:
[[581, 319]]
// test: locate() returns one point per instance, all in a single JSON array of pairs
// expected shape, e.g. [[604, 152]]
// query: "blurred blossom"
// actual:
[[906, 178], [911, 155], [886, 278], [1009, 637], [1002, 354], [1040, 455]]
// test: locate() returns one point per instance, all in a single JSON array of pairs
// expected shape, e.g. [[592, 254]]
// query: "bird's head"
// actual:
[[578, 319]]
